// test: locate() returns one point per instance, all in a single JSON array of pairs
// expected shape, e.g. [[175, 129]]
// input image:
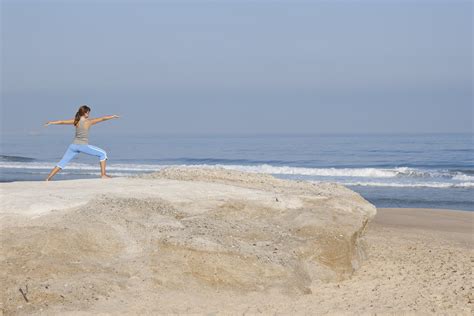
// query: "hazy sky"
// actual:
[[240, 66]]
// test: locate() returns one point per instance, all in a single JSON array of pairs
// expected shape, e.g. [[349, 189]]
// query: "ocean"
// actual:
[[399, 170]]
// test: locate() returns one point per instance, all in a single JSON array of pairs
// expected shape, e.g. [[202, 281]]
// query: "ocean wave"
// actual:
[[463, 177], [262, 168], [440, 185], [113, 174], [15, 158], [81, 166], [386, 173], [321, 172], [334, 174]]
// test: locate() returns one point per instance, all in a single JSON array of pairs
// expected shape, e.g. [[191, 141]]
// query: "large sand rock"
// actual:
[[178, 229]]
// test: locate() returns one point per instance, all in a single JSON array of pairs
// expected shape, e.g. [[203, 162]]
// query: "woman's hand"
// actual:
[[47, 124], [115, 116]]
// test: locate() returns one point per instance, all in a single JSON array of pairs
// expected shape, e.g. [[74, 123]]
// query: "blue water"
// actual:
[[425, 170]]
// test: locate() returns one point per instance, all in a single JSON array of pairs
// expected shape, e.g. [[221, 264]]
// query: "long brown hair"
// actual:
[[82, 110]]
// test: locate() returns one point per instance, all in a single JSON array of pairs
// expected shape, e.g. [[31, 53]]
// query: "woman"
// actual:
[[82, 122]]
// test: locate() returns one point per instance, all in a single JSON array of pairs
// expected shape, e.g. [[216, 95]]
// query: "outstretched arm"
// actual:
[[102, 119], [64, 122]]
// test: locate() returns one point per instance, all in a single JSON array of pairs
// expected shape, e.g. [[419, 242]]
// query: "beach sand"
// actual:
[[419, 261]]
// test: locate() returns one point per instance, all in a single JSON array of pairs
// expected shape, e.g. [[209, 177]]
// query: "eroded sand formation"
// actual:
[[186, 230]]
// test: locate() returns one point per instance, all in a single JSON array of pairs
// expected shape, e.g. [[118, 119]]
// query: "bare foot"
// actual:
[[105, 176]]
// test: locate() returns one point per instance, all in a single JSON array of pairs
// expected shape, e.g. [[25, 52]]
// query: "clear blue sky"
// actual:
[[240, 66]]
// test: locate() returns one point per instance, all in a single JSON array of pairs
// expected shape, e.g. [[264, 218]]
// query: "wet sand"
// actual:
[[456, 226]]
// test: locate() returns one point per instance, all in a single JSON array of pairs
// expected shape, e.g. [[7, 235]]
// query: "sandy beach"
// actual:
[[73, 253]]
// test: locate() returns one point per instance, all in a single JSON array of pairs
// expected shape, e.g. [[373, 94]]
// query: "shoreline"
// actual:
[[454, 225], [429, 213]]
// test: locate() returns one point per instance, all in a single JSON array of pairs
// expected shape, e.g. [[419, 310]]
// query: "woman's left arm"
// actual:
[[102, 119]]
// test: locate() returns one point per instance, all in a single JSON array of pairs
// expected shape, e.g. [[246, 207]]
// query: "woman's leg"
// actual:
[[103, 164], [98, 152], [67, 157], [53, 173]]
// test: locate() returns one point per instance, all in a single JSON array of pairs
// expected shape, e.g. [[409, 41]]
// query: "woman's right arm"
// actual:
[[63, 122]]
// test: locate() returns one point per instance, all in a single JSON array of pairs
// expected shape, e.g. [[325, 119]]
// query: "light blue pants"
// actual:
[[75, 149]]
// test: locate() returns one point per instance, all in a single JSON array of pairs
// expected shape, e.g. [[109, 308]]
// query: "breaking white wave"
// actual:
[[463, 177], [321, 172], [386, 177], [81, 166], [439, 185], [264, 168]]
